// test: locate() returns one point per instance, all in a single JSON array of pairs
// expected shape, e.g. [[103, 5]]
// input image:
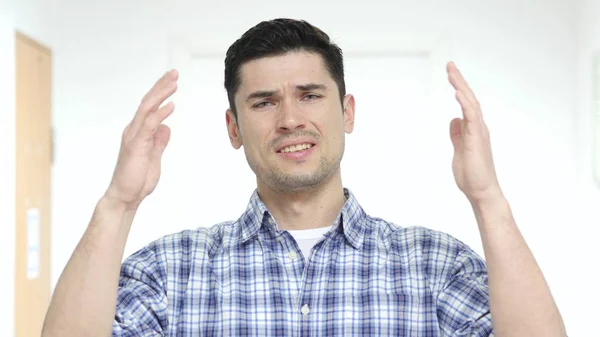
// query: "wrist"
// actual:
[[491, 199], [115, 211], [111, 200], [491, 211], [110, 204]]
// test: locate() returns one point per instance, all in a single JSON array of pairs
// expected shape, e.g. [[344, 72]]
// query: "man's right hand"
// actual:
[[143, 142], [84, 300]]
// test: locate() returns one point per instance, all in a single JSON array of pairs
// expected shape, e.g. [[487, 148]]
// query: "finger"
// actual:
[[154, 120], [456, 133], [161, 140], [459, 83], [162, 89], [469, 111]]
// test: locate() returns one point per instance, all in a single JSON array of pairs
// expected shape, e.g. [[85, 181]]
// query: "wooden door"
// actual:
[[33, 164]]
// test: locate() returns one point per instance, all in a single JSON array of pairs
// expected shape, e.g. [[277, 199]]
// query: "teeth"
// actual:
[[295, 148]]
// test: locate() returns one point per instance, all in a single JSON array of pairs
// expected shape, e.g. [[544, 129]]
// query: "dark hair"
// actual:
[[278, 37]]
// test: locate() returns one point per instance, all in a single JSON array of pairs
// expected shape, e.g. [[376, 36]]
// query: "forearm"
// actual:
[[84, 301], [521, 303]]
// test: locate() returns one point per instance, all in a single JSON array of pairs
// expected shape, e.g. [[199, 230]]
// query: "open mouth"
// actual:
[[296, 148]]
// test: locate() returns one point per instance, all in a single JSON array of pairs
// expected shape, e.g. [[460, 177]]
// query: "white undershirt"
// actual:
[[307, 238]]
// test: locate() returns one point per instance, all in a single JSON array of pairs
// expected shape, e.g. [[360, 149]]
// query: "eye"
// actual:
[[261, 104], [311, 97]]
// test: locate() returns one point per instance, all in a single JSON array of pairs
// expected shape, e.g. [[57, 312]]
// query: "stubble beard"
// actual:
[[282, 182]]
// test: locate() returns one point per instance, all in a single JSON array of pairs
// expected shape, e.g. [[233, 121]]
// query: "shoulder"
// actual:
[[413, 238], [438, 256], [169, 261], [180, 249], [205, 240], [437, 252]]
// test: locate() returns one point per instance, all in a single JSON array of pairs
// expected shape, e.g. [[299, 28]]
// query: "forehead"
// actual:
[[290, 69]]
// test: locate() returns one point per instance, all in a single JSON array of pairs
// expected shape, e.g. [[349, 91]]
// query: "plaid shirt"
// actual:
[[366, 277]]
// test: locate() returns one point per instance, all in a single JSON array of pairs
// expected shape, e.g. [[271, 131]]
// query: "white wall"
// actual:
[[520, 57], [587, 219]]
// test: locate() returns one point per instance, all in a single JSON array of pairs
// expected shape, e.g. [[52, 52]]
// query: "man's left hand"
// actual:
[[473, 164]]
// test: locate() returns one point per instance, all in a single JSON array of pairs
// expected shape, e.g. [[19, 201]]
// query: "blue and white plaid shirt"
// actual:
[[366, 277]]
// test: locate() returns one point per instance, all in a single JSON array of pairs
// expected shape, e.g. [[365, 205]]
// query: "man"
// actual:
[[304, 259]]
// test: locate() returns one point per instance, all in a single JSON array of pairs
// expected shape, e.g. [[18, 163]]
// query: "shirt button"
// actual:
[[305, 310], [292, 255]]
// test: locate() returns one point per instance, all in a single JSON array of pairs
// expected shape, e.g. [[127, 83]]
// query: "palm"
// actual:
[[144, 140], [137, 175]]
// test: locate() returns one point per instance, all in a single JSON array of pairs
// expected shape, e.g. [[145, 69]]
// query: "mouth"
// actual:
[[296, 148]]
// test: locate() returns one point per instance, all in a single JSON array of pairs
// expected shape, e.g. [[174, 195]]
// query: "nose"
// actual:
[[290, 118]]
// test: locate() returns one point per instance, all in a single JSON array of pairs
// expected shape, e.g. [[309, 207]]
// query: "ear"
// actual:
[[233, 130], [349, 109]]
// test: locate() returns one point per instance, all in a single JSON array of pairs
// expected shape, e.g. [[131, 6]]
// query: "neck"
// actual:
[[313, 208]]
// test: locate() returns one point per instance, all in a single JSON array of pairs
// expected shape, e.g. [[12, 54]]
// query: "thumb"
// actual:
[[456, 133], [161, 139]]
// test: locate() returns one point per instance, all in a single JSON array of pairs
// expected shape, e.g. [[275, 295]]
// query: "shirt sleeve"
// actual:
[[463, 303], [141, 300]]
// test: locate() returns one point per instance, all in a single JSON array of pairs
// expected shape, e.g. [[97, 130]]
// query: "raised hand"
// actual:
[[473, 164], [143, 142]]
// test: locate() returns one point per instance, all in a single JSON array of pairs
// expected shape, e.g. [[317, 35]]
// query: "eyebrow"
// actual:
[[310, 86], [300, 87]]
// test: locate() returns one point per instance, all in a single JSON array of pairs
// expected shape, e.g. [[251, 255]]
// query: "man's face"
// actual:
[[290, 121]]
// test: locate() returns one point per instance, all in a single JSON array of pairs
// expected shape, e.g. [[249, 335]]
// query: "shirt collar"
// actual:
[[350, 220]]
